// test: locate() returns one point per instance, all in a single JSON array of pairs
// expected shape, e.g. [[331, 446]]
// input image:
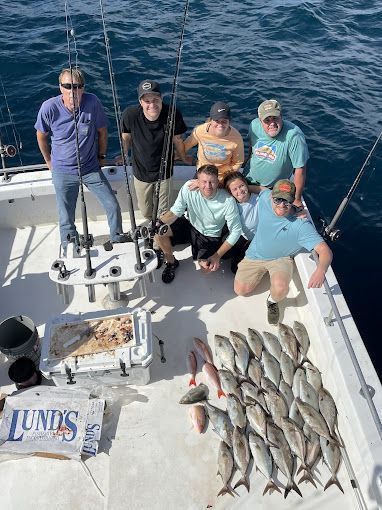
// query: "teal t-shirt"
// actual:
[[209, 215], [278, 237], [275, 158], [248, 216]]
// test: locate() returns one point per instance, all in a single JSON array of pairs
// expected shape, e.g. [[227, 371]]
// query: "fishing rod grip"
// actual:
[[337, 215]]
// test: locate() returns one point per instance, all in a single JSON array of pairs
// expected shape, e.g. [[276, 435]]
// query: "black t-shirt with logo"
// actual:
[[147, 139]]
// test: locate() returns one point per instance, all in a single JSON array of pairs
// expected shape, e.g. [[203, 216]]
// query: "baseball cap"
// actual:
[[220, 111], [284, 189], [269, 108], [148, 87]]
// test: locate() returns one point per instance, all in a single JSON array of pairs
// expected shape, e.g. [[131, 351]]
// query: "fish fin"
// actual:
[[307, 476], [226, 490], [299, 471], [334, 481], [338, 440], [221, 393], [271, 485], [243, 481], [291, 485], [269, 443], [192, 382]]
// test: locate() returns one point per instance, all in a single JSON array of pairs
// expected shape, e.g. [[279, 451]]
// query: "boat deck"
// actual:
[[150, 457]]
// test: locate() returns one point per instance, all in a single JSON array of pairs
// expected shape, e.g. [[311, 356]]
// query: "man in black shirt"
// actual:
[[143, 130]]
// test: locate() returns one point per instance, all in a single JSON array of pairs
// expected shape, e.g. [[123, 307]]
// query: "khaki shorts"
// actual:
[[252, 271], [145, 197]]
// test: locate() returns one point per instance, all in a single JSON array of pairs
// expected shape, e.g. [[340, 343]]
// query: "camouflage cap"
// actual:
[[284, 189], [269, 108]]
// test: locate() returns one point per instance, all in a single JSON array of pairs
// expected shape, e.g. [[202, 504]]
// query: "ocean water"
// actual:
[[322, 60]]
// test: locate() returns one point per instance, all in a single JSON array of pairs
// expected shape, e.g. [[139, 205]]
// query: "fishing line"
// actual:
[[168, 150], [117, 114], [86, 239], [16, 134]]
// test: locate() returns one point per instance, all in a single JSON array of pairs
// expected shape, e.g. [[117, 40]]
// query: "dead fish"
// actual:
[[299, 376], [302, 338], [308, 394], [225, 467], [272, 344], [277, 406], [267, 384], [242, 351], [236, 412], [221, 422], [315, 420], [213, 376], [255, 371], [282, 457], [263, 460], [225, 352], [328, 409], [271, 367], [257, 418], [296, 440], [229, 383], [288, 341], [313, 448], [242, 456], [287, 367], [203, 350], [195, 395], [255, 342], [313, 376], [332, 458], [253, 394], [295, 415], [198, 418], [191, 367], [286, 392]]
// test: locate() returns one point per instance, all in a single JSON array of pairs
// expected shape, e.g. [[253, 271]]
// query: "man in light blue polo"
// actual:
[[208, 210], [278, 150], [280, 235], [55, 120]]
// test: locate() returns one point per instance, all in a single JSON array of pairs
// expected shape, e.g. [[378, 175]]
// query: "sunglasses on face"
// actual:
[[282, 201], [70, 86]]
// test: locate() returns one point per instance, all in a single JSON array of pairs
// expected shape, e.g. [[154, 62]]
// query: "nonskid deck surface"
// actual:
[[149, 455]]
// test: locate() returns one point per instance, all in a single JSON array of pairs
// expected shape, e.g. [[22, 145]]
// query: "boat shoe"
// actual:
[[273, 312], [169, 271]]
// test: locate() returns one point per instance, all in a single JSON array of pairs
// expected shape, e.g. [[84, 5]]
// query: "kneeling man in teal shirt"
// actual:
[[279, 237], [209, 209]]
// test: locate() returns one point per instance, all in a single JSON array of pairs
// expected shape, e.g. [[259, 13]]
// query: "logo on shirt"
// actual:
[[265, 151], [214, 152]]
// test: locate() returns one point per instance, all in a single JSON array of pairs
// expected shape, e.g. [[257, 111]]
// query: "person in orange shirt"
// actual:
[[218, 142]]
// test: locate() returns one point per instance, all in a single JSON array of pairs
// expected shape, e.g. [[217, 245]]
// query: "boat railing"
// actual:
[[366, 391]]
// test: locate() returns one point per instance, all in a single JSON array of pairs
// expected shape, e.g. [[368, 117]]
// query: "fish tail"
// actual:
[[291, 485], [226, 490], [338, 440], [221, 393], [334, 481], [243, 481], [307, 476], [192, 382], [271, 485]]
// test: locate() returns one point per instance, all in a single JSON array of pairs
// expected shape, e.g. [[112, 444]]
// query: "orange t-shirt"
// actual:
[[225, 153]]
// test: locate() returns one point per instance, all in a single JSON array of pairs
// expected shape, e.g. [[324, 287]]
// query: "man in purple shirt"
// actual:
[[55, 120]]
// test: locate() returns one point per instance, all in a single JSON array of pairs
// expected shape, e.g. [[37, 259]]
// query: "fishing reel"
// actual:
[[332, 234], [8, 150], [159, 228]]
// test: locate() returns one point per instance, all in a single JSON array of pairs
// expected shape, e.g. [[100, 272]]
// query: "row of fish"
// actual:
[[276, 407]]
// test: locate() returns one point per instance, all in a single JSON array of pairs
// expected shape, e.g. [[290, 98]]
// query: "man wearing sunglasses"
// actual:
[[57, 121], [280, 235], [278, 150]]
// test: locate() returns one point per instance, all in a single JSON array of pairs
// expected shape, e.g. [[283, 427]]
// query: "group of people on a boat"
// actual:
[[252, 217]]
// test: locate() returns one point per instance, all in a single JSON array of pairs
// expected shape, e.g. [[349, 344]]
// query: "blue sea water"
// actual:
[[322, 60]]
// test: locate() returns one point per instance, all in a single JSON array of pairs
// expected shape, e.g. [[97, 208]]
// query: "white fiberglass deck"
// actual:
[[150, 458]]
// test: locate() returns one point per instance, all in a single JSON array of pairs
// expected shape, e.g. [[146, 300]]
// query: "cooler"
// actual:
[[98, 348]]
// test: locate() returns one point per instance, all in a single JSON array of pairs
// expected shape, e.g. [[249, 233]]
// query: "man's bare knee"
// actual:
[[242, 289]]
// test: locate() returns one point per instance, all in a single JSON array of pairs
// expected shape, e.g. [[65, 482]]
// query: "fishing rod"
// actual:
[[8, 150], [167, 151], [135, 233], [328, 230], [86, 238]]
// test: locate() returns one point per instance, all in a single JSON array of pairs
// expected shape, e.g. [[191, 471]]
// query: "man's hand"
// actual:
[[317, 279], [49, 165], [194, 185], [297, 203], [211, 264]]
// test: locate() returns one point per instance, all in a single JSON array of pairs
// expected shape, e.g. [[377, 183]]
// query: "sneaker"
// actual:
[[169, 271], [123, 238], [273, 312]]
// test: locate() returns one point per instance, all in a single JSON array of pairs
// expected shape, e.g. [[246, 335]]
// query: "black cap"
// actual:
[[220, 111], [148, 87], [21, 370]]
